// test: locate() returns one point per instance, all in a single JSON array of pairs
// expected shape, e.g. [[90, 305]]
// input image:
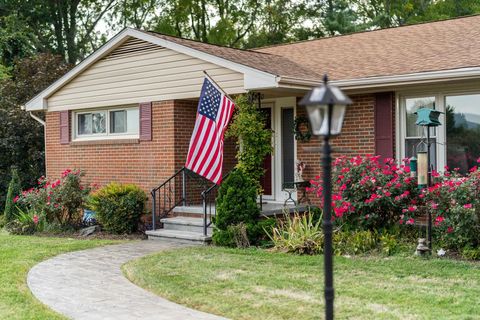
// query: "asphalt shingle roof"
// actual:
[[434, 46]]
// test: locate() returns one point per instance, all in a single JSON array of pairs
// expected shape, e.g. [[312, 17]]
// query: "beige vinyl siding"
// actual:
[[138, 71]]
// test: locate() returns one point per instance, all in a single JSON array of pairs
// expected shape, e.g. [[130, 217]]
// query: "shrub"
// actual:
[[354, 242], [236, 203], [454, 202], [14, 189], [118, 207], [471, 253], [370, 194], [388, 243], [298, 234], [60, 201]]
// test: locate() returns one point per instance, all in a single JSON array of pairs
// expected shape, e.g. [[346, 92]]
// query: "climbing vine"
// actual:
[[254, 140]]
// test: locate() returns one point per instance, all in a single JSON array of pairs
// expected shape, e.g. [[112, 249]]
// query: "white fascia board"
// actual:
[[411, 78], [253, 79], [386, 81]]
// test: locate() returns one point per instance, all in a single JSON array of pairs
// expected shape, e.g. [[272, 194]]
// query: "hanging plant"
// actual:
[[302, 135]]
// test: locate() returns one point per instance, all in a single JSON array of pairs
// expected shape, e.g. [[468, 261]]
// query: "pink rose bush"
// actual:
[[453, 200], [58, 200], [371, 193]]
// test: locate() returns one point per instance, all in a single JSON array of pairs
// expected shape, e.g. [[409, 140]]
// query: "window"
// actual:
[[456, 143], [107, 124], [413, 133], [462, 113]]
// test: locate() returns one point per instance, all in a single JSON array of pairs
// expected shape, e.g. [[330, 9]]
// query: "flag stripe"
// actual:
[[205, 154]]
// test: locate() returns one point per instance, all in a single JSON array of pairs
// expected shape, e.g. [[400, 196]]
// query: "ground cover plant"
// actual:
[[257, 284], [17, 255]]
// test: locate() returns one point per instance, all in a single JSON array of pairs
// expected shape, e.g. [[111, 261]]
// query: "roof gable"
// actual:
[[138, 71], [252, 78]]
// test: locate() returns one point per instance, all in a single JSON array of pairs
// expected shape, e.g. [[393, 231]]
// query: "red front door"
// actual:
[[266, 180]]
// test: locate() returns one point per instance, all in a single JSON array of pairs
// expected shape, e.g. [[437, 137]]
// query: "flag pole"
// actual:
[[216, 84]]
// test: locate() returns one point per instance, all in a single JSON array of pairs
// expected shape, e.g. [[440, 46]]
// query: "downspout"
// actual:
[[37, 119]]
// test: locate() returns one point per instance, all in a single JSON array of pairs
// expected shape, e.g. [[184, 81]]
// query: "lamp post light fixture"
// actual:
[[326, 106]]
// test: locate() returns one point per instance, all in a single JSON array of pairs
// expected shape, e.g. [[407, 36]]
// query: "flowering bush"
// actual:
[[60, 200], [370, 193], [373, 194], [454, 202]]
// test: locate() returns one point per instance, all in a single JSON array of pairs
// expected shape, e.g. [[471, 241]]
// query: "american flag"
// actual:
[[205, 154]]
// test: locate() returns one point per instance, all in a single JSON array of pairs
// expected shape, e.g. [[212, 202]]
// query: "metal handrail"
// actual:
[[207, 205], [166, 210], [170, 194]]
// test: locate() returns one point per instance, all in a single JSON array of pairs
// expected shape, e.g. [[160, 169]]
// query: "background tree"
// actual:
[[21, 137]]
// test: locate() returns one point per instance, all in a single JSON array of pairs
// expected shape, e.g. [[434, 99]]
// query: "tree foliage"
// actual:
[[21, 137]]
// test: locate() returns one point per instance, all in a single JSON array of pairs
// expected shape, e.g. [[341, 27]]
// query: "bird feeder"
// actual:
[[427, 117], [422, 164]]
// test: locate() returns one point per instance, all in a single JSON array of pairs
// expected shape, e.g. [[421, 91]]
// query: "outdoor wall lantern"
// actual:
[[326, 106]]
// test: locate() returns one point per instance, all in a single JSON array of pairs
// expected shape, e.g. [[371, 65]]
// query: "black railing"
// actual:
[[183, 188], [208, 200], [165, 197]]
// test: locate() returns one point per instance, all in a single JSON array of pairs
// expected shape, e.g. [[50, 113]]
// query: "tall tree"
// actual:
[[64, 27], [21, 137]]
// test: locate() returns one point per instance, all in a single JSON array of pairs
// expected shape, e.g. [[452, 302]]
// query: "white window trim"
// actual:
[[102, 136], [440, 94]]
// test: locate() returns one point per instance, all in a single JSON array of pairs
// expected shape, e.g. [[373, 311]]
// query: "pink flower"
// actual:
[[400, 221], [35, 219], [66, 173], [412, 209], [434, 205], [343, 187], [468, 206], [16, 199], [410, 221], [439, 220], [449, 230]]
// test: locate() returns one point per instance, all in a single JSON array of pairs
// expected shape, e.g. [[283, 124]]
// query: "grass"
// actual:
[[256, 284], [17, 255]]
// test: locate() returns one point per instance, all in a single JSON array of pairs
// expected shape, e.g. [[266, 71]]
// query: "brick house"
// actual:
[[127, 111]]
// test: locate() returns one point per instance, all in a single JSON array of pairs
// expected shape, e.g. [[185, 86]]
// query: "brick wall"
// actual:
[[145, 163], [357, 137]]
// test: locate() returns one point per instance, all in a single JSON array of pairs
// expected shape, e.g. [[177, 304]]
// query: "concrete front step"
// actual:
[[185, 224], [179, 235]]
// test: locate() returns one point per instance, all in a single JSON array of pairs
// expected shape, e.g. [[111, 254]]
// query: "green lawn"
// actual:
[[255, 284], [17, 255]]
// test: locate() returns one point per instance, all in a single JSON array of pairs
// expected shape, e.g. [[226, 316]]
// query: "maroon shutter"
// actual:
[[64, 127], [145, 121], [384, 124]]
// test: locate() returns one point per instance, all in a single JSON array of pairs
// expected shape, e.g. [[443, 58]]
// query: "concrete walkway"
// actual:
[[90, 285]]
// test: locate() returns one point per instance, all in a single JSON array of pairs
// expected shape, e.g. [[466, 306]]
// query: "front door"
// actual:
[[266, 180]]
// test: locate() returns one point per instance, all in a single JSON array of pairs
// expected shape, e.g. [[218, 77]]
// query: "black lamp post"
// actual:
[[326, 107]]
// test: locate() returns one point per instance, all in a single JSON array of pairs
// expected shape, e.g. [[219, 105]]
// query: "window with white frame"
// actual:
[[106, 124], [456, 143]]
